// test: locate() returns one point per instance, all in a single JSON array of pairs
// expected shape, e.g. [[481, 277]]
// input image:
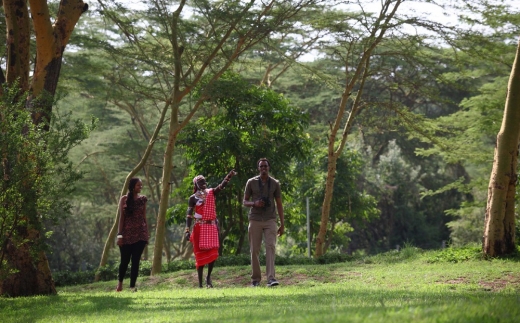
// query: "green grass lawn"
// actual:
[[375, 290]]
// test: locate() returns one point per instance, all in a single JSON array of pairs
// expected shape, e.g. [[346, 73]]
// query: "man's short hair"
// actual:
[[261, 160]]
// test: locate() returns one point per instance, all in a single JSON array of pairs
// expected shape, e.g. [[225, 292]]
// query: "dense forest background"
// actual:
[[414, 169]]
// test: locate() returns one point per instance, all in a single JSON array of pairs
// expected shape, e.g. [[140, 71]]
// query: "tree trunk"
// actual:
[[499, 231], [166, 248], [188, 252], [325, 208], [51, 40], [18, 40], [165, 192], [33, 275]]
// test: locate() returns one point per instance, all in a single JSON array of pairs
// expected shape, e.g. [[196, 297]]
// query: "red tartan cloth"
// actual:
[[202, 257], [208, 238], [209, 210], [205, 236]]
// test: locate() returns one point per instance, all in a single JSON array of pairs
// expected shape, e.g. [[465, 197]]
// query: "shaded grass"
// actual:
[[411, 290]]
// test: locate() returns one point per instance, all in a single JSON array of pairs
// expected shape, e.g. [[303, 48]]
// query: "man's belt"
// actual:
[[205, 221]]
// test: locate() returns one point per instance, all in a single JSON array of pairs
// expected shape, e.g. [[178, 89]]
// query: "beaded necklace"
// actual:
[[201, 196]]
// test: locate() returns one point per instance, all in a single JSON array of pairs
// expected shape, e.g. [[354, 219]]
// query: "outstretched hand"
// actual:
[[231, 174]]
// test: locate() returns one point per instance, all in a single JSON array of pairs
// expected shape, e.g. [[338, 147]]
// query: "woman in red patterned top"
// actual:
[[205, 231], [133, 231]]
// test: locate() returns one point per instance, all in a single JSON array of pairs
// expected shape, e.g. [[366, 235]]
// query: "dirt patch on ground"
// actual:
[[498, 284], [460, 280], [509, 280]]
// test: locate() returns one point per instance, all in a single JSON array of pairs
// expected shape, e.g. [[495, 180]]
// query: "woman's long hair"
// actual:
[[130, 203]]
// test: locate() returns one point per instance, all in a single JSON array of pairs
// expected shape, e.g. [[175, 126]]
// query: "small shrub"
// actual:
[[178, 265], [68, 278], [331, 258], [235, 260], [456, 255], [145, 268], [409, 251], [108, 272]]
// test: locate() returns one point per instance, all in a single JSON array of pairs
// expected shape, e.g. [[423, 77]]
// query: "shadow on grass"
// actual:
[[335, 302]]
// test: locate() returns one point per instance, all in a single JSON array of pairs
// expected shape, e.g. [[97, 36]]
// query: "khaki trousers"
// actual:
[[267, 230]]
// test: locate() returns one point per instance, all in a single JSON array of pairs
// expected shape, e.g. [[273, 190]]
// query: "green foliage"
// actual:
[[246, 123], [351, 202], [466, 137], [70, 278], [468, 224], [407, 89], [406, 216], [454, 255], [412, 80], [408, 252], [38, 177]]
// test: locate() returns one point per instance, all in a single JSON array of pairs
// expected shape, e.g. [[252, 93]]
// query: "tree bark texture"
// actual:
[[51, 40], [18, 42], [499, 231], [32, 272]]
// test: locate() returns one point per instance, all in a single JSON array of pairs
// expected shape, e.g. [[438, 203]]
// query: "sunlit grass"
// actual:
[[413, 290]]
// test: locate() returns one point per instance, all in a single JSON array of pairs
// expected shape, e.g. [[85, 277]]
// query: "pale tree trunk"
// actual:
[[335, 148], [188, 251], [165, 192], [110, 242], [33, 274], [167, 250], [332, 158], [499, 231]]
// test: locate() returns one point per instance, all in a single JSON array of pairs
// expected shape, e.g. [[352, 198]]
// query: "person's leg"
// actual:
[[255, 232], [200, 269], [137, 251], [270, 233], [208, 278], [125, 251]]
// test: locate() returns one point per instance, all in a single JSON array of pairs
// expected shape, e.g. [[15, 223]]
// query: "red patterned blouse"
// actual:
[[135, 227]]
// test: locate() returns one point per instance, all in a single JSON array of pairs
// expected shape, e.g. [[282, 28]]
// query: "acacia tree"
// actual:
[[29, 270], [179, 50], [355, 50], [355, 40], [499, 231]]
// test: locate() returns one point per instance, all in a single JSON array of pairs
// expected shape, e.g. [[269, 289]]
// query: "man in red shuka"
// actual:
[[205, 231]]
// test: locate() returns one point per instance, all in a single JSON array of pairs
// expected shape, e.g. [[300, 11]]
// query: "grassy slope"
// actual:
[[383, 289]]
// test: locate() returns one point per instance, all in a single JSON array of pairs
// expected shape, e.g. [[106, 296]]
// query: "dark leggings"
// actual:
[[133, 251]]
